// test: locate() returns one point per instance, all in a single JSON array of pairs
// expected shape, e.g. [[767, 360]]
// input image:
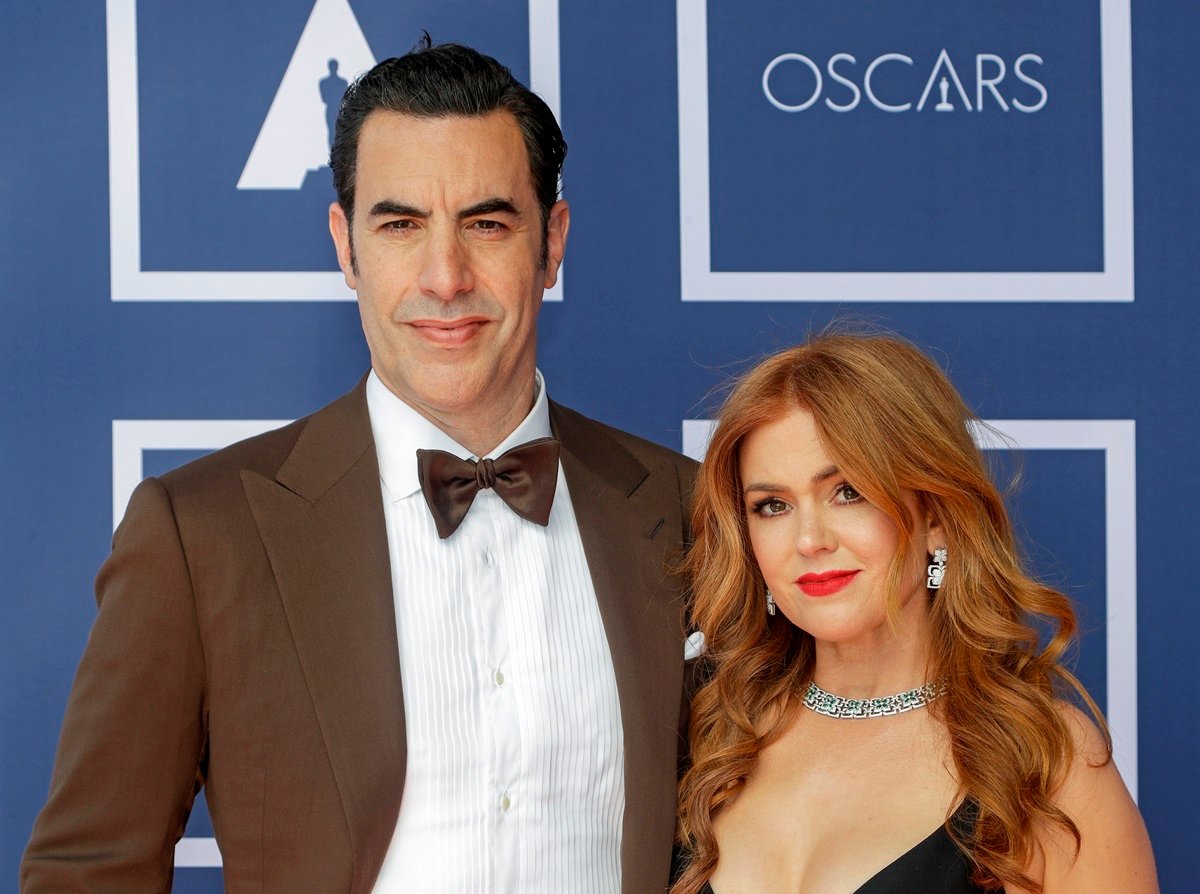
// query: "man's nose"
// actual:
[[445, 268]]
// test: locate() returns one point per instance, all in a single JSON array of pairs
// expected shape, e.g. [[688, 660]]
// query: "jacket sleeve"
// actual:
[[129, 758]]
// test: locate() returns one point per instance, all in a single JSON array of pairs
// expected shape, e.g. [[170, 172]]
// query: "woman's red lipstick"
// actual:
[[825, 583]]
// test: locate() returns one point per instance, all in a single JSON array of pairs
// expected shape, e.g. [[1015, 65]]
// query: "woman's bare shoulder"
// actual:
[[1114, 850], [1091, 744]]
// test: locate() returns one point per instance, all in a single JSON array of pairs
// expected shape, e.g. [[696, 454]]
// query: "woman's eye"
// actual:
[[770, 506], [847, 494]]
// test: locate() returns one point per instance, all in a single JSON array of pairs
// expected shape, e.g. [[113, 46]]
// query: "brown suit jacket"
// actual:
[[246, 642]]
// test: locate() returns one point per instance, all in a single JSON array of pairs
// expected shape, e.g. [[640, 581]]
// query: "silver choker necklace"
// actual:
[[817, 699]]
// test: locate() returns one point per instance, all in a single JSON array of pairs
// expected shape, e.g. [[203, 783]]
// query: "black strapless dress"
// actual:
[[935, 866]]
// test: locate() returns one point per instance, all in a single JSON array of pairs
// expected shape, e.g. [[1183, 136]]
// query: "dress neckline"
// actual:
[[919, 846], [959, 815]]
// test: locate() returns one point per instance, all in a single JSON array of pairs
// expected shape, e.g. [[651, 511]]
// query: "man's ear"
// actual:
[[339, 229], [557, 224]]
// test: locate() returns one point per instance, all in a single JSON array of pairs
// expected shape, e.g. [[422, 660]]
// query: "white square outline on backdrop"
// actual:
[[699, 282], [1116, 437], [129, 282]]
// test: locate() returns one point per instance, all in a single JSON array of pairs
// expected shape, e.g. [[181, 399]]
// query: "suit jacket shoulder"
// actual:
[[308, 456], [245, 641], [628, 457]]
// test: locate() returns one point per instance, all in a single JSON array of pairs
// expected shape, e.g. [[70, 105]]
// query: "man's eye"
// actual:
[[489, 225], [399, 225]]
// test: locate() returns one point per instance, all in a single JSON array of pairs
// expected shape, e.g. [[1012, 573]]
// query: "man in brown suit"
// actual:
[[247, 637]]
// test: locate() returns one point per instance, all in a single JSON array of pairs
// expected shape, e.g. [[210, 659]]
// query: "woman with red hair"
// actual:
[[880, 713]]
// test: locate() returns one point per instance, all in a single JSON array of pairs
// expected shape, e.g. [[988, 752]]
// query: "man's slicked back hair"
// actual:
[[444, 81]]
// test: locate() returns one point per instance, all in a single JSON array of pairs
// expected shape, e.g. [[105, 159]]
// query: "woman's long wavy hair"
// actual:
[[892, 422]]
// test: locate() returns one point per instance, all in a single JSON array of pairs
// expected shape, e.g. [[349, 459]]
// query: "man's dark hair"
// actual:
[[442, 81]]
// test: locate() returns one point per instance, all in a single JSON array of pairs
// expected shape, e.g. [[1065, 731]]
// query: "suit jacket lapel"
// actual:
[[322, 525], [323, 528], [625, 515]]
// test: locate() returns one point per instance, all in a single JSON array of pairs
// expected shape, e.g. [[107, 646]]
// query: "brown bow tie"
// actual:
[[524, 478]]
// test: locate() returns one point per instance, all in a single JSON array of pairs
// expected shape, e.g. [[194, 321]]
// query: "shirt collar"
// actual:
[[400, 431]]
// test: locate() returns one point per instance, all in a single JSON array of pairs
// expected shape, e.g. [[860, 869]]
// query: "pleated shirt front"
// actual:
[[515, 775]]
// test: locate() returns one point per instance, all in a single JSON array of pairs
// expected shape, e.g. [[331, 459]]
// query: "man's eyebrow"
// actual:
[[398, 209], [496, 205]]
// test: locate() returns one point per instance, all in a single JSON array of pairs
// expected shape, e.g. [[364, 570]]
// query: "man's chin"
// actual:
[[442, 388]]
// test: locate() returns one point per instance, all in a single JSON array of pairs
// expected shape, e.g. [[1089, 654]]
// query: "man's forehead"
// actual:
[[464, 136], [457, 159]]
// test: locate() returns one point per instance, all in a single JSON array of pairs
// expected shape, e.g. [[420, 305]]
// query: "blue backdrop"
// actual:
[[1011, 185]]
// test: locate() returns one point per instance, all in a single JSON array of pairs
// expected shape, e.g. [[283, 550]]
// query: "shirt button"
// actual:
[[488, 559], [505, 802], [498, 676]]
